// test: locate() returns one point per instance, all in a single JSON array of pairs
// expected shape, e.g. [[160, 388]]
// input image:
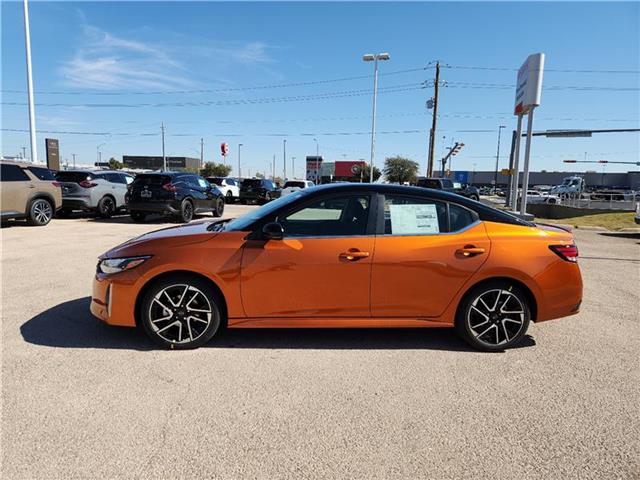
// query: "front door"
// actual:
[[428, 251], [321, 268]]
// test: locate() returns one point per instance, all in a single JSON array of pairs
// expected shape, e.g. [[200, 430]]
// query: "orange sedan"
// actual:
[[344, 255]]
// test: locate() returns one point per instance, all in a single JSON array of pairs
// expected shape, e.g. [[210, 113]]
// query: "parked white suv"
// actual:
[[99, 191], [291, 186], [229, 187]]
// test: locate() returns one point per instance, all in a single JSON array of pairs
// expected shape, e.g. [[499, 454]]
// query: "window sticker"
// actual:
[[417, 219]]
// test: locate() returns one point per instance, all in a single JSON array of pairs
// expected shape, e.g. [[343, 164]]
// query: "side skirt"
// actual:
[[335, 322]]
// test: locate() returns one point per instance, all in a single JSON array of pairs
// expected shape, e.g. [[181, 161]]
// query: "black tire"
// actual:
[[106, 206], [228, 197], [493, 330], [138, 217], [183, 328], [474, 197], [40, 212], [218, 209], [186, 211]]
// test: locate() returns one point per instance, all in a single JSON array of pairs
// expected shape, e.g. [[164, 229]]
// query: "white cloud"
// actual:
[[107, 62]]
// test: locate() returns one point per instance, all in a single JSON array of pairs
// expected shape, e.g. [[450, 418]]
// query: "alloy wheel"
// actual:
[[107, 207], [180, 313], [42, 211], [495, 317]]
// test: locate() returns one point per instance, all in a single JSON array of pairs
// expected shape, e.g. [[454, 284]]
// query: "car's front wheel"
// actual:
[[229, 197], [494, 316], [40, 212], [186, 211], [180, 312], [106, 207]]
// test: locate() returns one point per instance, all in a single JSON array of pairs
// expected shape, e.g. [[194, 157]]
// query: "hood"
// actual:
[[166, 238]]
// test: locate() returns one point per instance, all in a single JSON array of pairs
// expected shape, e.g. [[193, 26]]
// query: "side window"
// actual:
[[114, 177], [12, 173], [329, 217], [231, 182], [42, 173], [446, 183], [202, 183], [128, 179], [404, 215], [460, 217]]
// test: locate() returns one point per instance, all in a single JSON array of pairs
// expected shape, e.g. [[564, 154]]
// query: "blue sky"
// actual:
[[196, 67]]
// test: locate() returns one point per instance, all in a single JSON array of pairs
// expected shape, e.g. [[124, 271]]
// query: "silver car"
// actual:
[[99, 191]]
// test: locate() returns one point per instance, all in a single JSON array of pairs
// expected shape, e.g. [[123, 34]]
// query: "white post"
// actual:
[[32, 112], [373, 120], [515, 177], [525, 173], [164, 158]]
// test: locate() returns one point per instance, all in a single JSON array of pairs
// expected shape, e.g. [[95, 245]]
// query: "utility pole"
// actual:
[[32, 112], [201, 153], [495, 177], [432, 134], [164, 158], [239, 167], [273, 176], [74, 159], [24, 152], [284, 156], [293, 167]]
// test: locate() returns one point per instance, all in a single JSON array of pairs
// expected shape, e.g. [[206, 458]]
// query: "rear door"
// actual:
[[424, 254], [16, 189], [148, 188]]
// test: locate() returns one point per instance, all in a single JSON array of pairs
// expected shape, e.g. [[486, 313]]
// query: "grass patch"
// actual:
[[611, 221]]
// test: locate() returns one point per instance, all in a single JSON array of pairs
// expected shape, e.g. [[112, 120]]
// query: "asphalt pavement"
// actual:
[[84, 400]]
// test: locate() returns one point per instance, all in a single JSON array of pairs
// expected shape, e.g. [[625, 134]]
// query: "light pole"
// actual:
[[32, 111], [284, 160], [239, 169], [369, 57], [495, 178], [318, 178], [293, 167], [164, 157]]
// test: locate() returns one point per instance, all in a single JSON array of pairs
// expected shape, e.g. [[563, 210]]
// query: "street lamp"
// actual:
[[99, 152], [495, 179], [239, 170], [369, 57], [293, 168]]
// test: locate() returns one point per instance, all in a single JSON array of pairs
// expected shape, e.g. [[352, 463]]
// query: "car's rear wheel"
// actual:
[[180, 312], [494, 316], [218, 209], [40, 212], [474, 197], [228, 197], [138, 217], [106, 207], [186, 211]]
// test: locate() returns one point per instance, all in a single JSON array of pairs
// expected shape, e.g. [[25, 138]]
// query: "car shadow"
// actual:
[[151, 219], [632, 235], [71, 325]]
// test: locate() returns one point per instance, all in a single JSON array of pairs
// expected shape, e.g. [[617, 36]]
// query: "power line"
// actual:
[[558, 70]]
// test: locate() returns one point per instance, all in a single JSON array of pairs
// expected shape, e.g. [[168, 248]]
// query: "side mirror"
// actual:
[[273, 231]]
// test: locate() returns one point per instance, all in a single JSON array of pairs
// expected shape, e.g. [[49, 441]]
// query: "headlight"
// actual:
[[115, 265]]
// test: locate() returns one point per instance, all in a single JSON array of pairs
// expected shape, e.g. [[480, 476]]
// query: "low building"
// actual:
[[156, 163], [338, 171]]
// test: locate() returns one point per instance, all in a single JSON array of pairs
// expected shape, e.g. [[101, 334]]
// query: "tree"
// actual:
[[260, 175], [400, 170], [115, 164], [362, 173], [213, 169]]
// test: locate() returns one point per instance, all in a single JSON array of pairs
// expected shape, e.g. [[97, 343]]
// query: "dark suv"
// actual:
[[180, 195], [449, 185], [259, 190]]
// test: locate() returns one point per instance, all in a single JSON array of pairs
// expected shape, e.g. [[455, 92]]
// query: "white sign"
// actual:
[[529, 84], [414, 219]]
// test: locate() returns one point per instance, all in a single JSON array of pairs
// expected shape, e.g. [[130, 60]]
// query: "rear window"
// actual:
[[252, 182], [42, 173], [73, 176], [294, 184], [427, 183], [151, 179]]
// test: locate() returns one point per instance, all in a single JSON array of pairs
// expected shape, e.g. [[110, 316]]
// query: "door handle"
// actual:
[[32, 185], [470, 251], [353, 255]]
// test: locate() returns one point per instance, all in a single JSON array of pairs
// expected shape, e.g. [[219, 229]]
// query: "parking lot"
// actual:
[[85, 400]]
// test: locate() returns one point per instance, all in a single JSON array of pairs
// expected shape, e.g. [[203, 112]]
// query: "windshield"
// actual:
[[66, 176], [294, 184], [243, 222]]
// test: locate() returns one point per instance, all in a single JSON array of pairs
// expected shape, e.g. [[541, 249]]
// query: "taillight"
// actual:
[[56, 184], [87, 184], [170, 187], [565, 252]]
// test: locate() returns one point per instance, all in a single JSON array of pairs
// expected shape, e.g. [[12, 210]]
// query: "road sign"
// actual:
[[53, 153], [224, 148], [567, 133]]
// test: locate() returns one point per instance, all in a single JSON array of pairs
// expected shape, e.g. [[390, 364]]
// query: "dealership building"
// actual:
[[338, 171], [156, 163]]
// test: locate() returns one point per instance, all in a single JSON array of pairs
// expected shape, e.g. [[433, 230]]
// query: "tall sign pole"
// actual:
[[32, 113], [164, 157], [284, 160], [528, 93], [515, 174]]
